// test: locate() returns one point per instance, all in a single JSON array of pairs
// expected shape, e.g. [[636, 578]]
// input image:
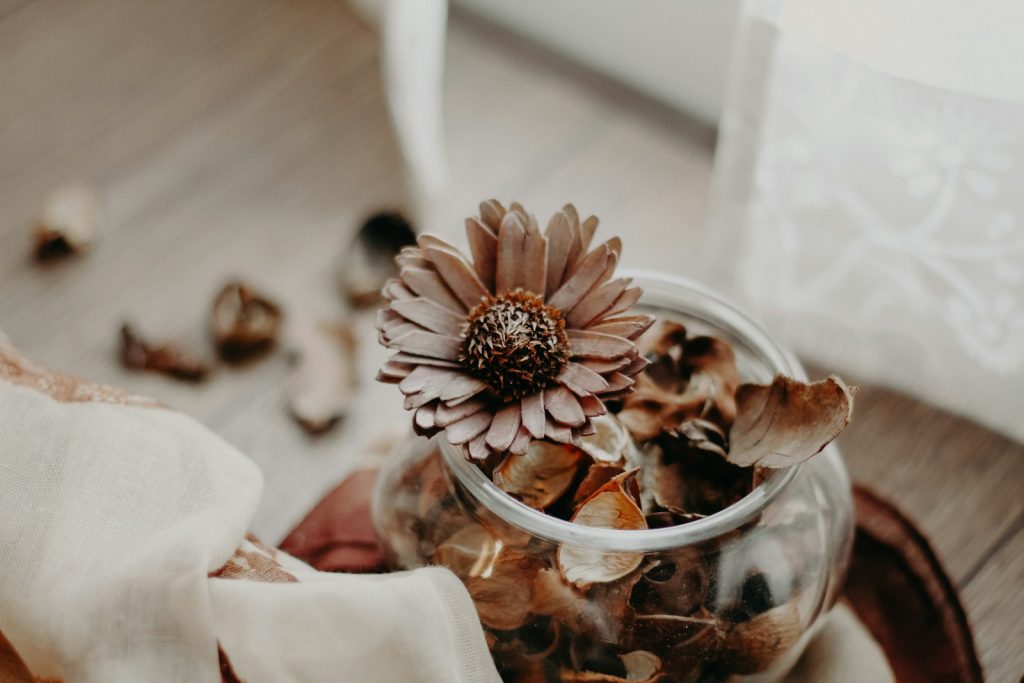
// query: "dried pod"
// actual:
[[613, 506], [502, 588], [598, 474], [166, 358], [754, 645], [69, 223], [244, 323], [664, 633], [369, 261], [599, 612], [610, 441], [788, 421], [687, 378], [541, 475], [323, 382], [674, 585], [641, 665], [684, 478], [468, 551]]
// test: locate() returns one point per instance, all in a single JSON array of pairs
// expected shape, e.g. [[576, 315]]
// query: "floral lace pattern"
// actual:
[[879, 223]]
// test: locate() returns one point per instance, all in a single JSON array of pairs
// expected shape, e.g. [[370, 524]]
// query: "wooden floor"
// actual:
[[247, 138]]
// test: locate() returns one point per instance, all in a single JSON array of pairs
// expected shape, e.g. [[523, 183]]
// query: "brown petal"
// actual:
[[578, 249], [587, 230], [422, 377], [395, 290], [625, 302], [461, 385], [585, 278], [596, 302], [412, 258], [483, 245], [581, 380], [504, 428], [413, 359], [428, 344], [522, 441], [491, 213], [560, 241], [424, 418], [511, 238], [629, 327], [430, 315], [458, 275], [598, 474], [428, 284], [592, 406], [477, 447], [393, 372], [788, 421], [557, 432], [602, 367], [468, 427], [541, 476], [560, 404], [613, 506], [533, 265], [533, 414], [587, 344], [447, 415], [617, 382], [502, 595]]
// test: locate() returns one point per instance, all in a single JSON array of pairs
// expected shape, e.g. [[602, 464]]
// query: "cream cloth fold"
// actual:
[[113, 514], [123, 557]]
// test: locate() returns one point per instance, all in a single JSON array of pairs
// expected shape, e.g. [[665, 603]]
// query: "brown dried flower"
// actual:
[[524, 342], [244, 323], [166, 358]]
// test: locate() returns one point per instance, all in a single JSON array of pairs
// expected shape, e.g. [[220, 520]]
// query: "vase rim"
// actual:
[[693, 301]]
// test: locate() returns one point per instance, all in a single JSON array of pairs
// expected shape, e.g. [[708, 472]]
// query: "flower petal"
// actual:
[[422, 377], [430, 315], [504, 428], [618, 382], [587, 230], [511, 238], [424, 417], [533, 414], [623, 303], [394, 289], [457, 274], [561, 405], [602, 367], [586, 344], [447, 414], [428, 284], [393, 372], [557, 432], [592, 406], [521, 442], [483, 245], [629, 327], [402, 357], [582, 280], [491, 213], [533, 270], [597, 301], [577, 249], [477, 447], [428, 344], [560, 241], [461, 386], [581, 380], [468, 427]]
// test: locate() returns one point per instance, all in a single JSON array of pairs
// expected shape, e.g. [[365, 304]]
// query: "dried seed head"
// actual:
[[515, 343]]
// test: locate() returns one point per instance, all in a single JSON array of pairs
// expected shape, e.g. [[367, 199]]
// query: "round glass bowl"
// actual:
[[733, 596]]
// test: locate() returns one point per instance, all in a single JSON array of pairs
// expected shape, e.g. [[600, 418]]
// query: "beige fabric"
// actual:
[[842, 652], [113, 513]]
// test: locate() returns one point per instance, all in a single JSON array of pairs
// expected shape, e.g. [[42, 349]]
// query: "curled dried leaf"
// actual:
[[368, 263], [613, 506], [610, 441], [323, 382], [675, 585], [598, 474], [69, 223], [599, 612], [541, 475], [244, 323], [788, 421], [169, 359], [502, 588], [753, 646], [685, 478], [641, 665]]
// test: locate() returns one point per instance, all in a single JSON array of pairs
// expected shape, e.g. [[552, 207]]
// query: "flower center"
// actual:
[[514, 343]]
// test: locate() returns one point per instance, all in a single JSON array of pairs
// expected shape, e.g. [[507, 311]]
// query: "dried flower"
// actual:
[[70, 222], [323, 383], [524, 342], [244, 323], [170, 359], [370, 259]]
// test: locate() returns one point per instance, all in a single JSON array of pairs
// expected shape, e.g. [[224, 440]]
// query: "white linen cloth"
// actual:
[[124, 557], [866, 197], [114, 513]]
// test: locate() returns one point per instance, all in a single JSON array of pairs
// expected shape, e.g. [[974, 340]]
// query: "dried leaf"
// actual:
[[369, 261], [753, 646], [69, 223], [322, 384], [613, 506], [541, 476], [599, 612], [610, 441], [502, 589], [170, 359], [675, 585], [244, 323], [787, 422]]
